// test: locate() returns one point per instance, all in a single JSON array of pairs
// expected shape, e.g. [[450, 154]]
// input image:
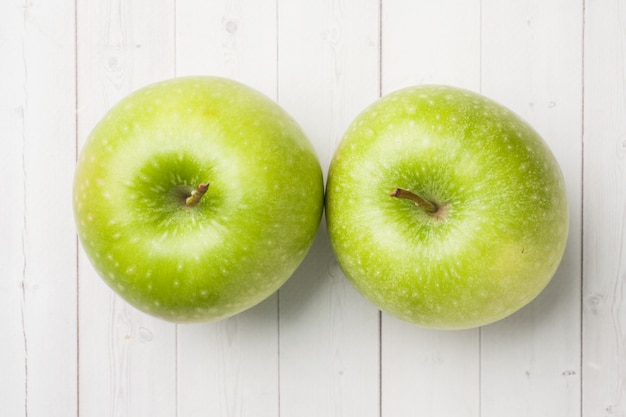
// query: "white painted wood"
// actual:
[[531, 62], [13, 359], [430, 41], [604, 244], [230, 368], [430, 372], [127, 359], [38, 261], [229, 38], [329, 344], [317, 347]]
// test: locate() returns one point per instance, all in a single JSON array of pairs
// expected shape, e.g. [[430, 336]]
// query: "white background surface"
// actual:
[[70, 347]]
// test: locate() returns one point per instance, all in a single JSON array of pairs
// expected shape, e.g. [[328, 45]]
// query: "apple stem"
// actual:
[[419, 201], [196, 195]]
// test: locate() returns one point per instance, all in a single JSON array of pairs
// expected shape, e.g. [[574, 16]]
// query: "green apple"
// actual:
[[445, 209], [196, 198]]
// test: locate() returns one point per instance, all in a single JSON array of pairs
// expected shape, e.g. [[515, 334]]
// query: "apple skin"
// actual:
[[241, 241], [502, 222]]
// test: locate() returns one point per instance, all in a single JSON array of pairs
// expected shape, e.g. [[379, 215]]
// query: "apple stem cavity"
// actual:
[[196, 195], [428, 206]]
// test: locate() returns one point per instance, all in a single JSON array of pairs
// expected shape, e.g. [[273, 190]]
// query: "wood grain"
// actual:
[[38, 251], [127, 359], [230, 368], [329, 337], [604, 227], [430, 372], [531, 61], [71, 347]]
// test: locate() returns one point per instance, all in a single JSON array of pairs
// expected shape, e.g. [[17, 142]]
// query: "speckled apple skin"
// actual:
[[504, 221], [250, 230]]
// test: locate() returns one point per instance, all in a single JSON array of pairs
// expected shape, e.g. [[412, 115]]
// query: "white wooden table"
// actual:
[[70, 347]]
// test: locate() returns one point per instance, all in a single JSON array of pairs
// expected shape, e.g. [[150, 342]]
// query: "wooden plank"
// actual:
[[532, 62], [127, 359], [229, 38], [321, 60], [230, 368], [13, 359], [329, 335], [429, 372], [38, 151], [430, 42], [604, 255]]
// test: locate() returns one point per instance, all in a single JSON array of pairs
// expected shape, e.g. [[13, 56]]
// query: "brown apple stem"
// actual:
[[430, 207], [196, 195]]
